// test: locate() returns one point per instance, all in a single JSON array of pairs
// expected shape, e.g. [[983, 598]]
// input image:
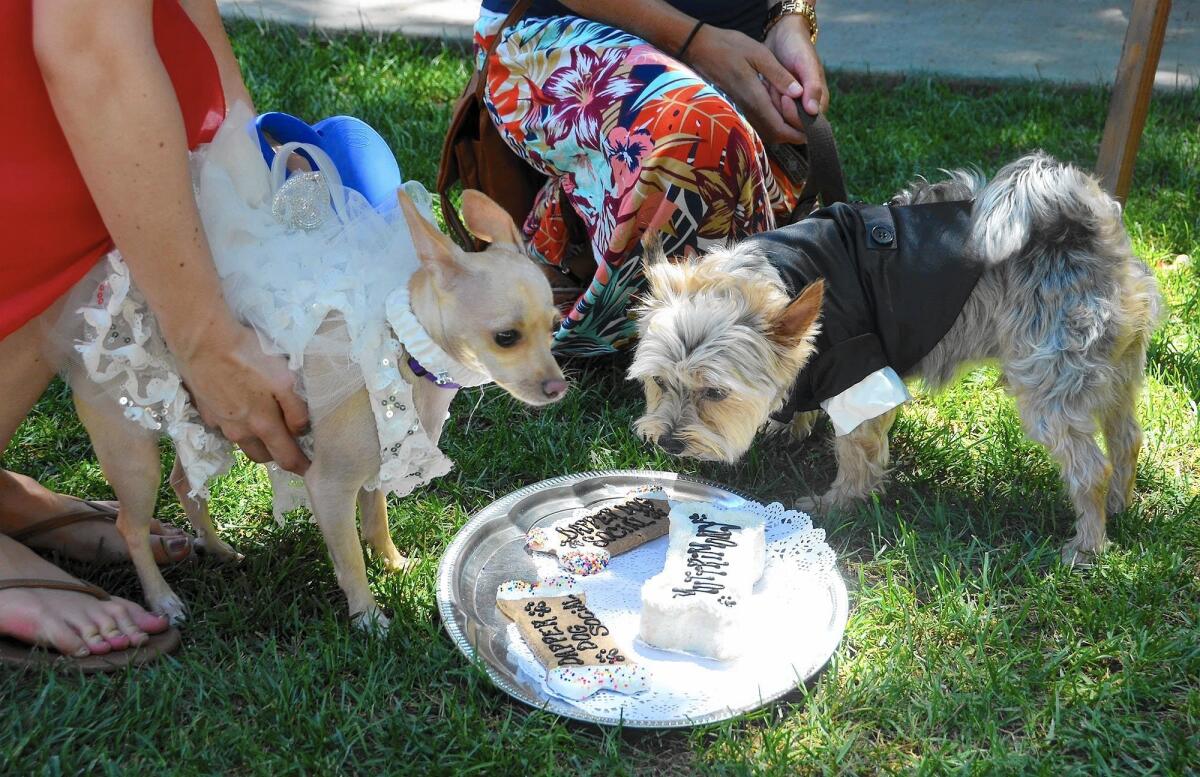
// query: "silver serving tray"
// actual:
[[490, 549]]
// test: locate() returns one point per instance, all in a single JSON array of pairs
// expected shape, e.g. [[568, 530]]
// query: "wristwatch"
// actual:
[[787, 8]]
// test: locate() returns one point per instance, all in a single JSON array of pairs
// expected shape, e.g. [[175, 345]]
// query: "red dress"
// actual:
[[52, 232]]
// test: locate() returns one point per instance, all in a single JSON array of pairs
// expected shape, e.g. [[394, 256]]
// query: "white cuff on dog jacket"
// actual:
[[870, 398]]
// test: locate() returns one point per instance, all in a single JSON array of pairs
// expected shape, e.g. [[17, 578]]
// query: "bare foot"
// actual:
[[25, 502], [72, 623]]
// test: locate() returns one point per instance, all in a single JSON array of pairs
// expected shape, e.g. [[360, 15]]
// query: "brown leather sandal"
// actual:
[[87, 511], [14, 653]]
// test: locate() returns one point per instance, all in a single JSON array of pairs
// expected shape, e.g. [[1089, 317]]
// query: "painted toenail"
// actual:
[[177, 544]]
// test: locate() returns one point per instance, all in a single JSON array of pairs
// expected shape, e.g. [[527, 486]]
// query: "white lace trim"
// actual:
[[123, 351], [428, 354]]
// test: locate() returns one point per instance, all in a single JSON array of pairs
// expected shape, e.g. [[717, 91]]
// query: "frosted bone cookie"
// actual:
[[576, 649], [587, 541], [696, 604]]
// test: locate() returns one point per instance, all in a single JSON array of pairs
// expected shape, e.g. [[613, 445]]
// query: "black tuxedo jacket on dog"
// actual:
[[896, 278]]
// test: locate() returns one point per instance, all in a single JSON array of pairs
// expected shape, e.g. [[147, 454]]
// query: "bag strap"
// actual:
[[472, 98], [825, 179], [518, 10]]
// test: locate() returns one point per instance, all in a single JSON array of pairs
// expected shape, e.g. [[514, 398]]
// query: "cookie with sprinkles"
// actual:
[[577, 650], [587, 541]]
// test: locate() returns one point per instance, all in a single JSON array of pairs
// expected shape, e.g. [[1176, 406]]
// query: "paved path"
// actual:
[[1076, 41]]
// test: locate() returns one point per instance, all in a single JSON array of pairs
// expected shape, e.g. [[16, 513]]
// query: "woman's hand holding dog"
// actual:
[[250, 397]]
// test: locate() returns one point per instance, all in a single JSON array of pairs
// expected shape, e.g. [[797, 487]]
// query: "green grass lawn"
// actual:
[[969, 648]]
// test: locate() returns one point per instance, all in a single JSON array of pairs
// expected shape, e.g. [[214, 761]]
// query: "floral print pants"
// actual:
[[633, 140]]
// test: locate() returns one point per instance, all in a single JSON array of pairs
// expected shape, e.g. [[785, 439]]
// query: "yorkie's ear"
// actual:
[[664, 276], [795, 324], [652, 249]]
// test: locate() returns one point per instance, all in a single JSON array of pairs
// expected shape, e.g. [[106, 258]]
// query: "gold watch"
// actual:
[[787, 8]]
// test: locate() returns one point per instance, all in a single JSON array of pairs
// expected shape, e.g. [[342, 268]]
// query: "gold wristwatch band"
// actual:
[[787, 8]]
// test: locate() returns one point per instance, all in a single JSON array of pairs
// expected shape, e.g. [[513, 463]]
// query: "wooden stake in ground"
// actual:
[[1130, 101]]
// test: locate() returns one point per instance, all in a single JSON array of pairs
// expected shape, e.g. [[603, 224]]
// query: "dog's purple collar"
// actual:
[[441, 380]]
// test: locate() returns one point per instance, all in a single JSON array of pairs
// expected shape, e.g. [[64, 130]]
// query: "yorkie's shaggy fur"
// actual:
[[1064, 307]]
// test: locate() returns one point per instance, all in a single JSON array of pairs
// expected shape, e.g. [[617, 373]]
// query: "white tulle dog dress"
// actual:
[[313, 269]]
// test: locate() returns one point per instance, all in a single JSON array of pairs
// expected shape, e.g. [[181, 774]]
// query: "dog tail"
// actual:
[[1038, 206]]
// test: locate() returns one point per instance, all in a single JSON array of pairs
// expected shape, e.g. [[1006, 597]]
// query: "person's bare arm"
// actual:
[[118, 110], [729, 59], [207, 18]]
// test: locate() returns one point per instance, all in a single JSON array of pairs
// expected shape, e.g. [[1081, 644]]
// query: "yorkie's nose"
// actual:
[[670, 443]]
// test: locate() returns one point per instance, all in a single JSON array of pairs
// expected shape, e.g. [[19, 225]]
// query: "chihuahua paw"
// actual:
[[171, 606], [394, 562], [372, 621], [1080, 554], [218, 549]]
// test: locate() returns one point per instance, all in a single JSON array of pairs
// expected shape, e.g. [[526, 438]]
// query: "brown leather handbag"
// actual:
[[475, 155]]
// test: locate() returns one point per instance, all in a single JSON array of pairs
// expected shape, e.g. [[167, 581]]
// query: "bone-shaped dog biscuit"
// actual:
[[577, 650], [587, 541], [696, 604]]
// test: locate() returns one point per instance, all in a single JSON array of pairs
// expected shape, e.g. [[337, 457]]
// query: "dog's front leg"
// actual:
[[799, 429], [862, 460], [332, 502], [129, 457], [345, 456]]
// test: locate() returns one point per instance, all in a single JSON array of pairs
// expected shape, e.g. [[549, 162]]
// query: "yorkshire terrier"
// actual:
[[1033, 271]]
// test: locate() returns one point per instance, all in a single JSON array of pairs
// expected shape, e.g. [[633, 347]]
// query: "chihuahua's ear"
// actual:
[[435, 250], [795, 324], [487, 220]]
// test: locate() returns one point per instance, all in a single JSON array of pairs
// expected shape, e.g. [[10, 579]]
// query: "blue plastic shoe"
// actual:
[[363, 158], [284, 128]]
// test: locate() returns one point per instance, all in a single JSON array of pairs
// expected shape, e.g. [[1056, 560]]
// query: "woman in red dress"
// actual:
[[102, 102]]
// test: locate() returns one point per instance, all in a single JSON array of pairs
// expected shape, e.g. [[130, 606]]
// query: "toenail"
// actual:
[[83, 651], [177, 543]]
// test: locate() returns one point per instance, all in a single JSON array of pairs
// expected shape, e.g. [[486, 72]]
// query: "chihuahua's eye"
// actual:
[[662, 384], [713, 394], [508, 338]]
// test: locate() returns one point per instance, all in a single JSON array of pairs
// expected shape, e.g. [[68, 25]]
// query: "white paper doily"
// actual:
[[790, 603]]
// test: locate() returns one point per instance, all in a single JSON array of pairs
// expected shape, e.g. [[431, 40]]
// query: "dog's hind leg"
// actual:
[[130, 460], [862, 460], [1084, 471], [1123, 435], [196, 509], [372, 507]]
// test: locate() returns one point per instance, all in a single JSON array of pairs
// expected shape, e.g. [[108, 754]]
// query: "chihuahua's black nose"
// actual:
[[553, 389], [670, 443]]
